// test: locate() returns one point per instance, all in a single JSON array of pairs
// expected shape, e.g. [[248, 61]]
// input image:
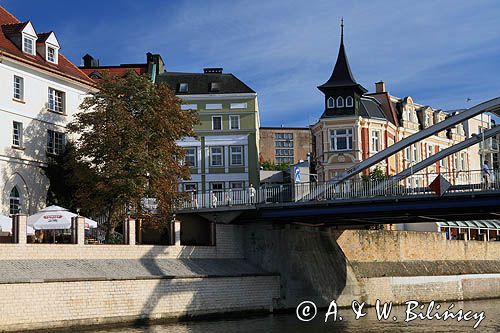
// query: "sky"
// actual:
[[441, 53]]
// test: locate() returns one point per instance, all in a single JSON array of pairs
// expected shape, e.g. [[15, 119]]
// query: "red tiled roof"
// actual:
[[10, 24], [115, 71]]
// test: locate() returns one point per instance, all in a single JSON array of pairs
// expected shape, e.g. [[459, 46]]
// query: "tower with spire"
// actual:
[[342, 92]]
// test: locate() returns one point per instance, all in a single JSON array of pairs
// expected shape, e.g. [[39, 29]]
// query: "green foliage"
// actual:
[[271, 166], [126, 149], [375, 175]]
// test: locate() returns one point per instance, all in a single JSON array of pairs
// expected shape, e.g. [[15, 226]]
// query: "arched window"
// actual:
[[349, 102], [14, 201], [330, 103], [340, 102]]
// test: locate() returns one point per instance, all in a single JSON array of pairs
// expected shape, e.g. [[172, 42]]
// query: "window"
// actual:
[[375, 141], [341, 139], [183, 87], [217, 186], [14, 201], [234, 122], [190, 158], [213, 106], [217, 123], [407, 156], [462, 161], [236, 153], [349, 102], [189, 107], [51, 54], [430, 150], [56, 100], [55, 142], [188, 187], [340, 102], [238, 105], [28, 45], [18, 88], [415, 155], [214, 86], [17, 134], [216, 158], [330, 103]]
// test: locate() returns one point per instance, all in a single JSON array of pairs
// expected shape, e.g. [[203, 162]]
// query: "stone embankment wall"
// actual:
[[326, 264], [44, 286]]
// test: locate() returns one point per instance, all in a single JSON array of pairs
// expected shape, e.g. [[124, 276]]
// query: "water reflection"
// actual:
[[289, 323]]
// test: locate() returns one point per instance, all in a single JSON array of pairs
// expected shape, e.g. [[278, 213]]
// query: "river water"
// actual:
[[287, 323]]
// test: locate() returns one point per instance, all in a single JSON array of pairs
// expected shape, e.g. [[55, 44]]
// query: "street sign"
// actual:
[[297, 175], [440, 185]]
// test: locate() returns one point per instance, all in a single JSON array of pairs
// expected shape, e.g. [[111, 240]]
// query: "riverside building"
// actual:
[[40, 91]]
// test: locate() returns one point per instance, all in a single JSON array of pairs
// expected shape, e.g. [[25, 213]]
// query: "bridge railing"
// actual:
[[416, 184]]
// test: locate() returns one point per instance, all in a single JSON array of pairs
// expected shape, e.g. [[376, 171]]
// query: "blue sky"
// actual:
[[439, 52]]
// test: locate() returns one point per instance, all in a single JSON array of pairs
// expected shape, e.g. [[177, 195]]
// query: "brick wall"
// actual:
[[56, 304]]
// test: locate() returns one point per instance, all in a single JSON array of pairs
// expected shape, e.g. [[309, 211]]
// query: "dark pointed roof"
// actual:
[[341, 75]]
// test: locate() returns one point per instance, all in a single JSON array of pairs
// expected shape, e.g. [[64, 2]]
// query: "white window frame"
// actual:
[[190, 154], [213, 154], [375, 141], [430, 150], [330, 103], [183, 87], [349, 138], [17, 138], [213, 106], [216, 183], [18, 85], [231, 118], [58, 141], [56, 103], [54, 56], [414, 152], [232, 153], [188, 187], [25, 45], [340, 102], [221, 124], [349, 102], [238, 106], [15, 201], [186, 107]]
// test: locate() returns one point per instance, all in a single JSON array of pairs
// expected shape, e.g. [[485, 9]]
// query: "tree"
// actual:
[[127, 134], [271, 166], [376, 175]]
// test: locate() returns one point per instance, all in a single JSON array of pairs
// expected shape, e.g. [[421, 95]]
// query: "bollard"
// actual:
[[177, 232], [19, 224], [129, 232]]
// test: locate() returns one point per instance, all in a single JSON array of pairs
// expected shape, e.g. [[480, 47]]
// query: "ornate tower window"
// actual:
[[349, 102], [340, 102], [330, 103]]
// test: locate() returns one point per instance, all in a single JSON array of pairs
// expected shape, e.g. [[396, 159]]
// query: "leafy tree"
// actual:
[[126, 133], [376, 175], [271, 166]]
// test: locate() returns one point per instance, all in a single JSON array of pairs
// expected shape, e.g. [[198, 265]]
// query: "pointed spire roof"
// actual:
[[341, 75]]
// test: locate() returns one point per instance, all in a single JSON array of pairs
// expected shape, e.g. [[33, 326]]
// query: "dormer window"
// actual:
[[183, 87], [330, 103], [28, 45], [51, 54], [340, 102], [214, 86], [349, 102]]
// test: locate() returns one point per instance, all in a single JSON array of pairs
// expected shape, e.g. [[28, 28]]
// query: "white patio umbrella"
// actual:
[[55, 217], [6, 225]]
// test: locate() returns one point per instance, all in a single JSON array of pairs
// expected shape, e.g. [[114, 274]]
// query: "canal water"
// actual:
[[287, 323]]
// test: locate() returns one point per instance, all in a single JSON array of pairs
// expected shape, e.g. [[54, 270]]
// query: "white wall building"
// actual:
[[40, 91]]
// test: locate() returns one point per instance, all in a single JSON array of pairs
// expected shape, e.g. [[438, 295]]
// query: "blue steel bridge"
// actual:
[[402, 198]]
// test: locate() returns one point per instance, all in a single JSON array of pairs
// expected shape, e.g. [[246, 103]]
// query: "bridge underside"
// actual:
[[379, 210]]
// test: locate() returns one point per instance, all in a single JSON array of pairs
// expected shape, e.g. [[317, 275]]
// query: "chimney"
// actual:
[[89, 61], [155, 59], [217, 70], [380, 87]]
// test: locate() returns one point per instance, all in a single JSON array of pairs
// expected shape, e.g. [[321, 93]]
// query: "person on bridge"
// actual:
[[251, 193], [486, 174]]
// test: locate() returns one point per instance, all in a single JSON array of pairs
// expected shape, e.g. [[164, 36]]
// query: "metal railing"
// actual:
[[416, 184]]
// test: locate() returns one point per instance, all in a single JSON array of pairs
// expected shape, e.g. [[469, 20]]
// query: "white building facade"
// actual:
[[40, 91]]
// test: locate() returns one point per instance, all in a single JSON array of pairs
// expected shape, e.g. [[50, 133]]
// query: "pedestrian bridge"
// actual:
[[358, 201]]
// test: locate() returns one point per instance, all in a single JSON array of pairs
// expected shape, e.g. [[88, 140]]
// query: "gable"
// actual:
[[29, 30]]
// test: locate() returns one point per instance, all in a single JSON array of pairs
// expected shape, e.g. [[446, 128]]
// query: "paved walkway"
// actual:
[[22, 271]]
